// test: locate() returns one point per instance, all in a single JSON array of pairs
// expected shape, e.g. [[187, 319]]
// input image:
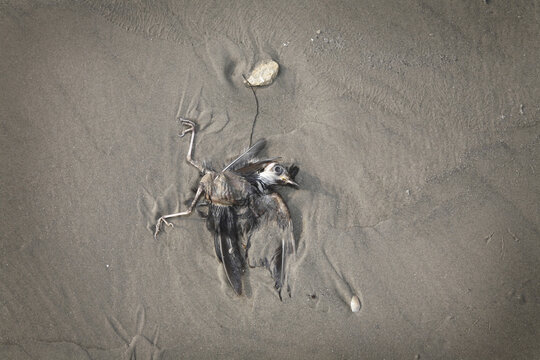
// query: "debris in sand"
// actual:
[[263, 73], [355, 304]]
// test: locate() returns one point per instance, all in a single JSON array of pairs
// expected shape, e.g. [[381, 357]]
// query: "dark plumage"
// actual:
[[249, 220]]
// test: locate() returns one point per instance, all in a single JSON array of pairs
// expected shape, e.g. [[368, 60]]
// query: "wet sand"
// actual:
[[416, 129]]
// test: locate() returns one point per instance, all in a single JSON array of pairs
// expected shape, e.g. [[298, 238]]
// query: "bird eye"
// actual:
[[278, 169]]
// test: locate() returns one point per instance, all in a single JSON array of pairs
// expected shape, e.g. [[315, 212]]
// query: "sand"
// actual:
[[416, 129]]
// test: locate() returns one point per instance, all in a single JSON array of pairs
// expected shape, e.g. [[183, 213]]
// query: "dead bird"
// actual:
[[244, 206]]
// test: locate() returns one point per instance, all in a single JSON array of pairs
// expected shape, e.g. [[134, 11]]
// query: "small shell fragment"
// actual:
[[263, 73], [355, 304]]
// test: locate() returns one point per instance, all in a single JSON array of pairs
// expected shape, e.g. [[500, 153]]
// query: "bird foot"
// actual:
[[161, 220], [189, 126]]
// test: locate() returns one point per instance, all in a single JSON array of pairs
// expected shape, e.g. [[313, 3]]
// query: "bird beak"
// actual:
[[290, 182]]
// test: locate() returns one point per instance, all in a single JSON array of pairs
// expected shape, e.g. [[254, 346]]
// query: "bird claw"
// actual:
[[158, 226], [190, 126]]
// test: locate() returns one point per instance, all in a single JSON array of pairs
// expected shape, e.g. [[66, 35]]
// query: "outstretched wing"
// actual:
[[271, 242], [246, 156], [252, 167]]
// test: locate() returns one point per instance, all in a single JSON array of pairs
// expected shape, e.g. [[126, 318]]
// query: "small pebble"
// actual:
[[355, 304], [263, 73]]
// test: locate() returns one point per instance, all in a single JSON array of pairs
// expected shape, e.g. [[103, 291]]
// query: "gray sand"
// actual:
[[416, 129]]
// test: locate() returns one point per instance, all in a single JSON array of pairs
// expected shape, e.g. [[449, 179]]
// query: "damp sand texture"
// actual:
[[416, 129]]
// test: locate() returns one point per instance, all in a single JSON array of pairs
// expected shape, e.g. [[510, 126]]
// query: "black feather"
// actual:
[[293, 171], [222, 221], [272, 239], [275, 268], [254, 167], [246, 156]]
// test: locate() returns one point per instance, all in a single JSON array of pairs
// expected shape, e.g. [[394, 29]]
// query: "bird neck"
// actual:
[[259, 182]]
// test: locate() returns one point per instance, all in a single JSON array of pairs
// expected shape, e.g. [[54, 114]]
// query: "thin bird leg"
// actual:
[[183, 213], [190, 127]]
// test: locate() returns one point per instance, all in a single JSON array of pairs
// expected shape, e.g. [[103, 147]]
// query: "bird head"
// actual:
[[276, 174]]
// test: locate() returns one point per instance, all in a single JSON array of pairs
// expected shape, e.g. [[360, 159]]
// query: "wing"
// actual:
[[271, 243], [246, 156], [222, 222], [255, 166]]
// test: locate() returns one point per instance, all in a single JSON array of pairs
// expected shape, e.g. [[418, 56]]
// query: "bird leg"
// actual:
[[190, 128], [183, 213]]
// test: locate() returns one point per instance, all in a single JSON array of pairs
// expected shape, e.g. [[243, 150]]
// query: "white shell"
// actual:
[[355, 304], [263, 73]]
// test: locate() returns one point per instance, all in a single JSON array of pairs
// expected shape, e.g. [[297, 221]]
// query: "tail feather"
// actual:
[[222, 222], [232, 262]]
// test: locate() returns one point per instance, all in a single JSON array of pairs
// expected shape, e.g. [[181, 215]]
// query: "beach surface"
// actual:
[[416, 127]]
